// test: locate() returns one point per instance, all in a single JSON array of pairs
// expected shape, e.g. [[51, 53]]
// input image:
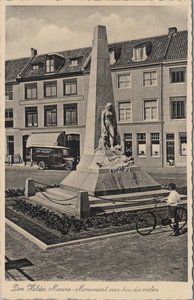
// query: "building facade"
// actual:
[[48, 93]]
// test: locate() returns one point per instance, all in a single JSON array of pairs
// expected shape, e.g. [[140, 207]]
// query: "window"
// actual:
[[8, 118], [70, 87], [139, 53], [35, 67], [50, 89], [170, 148], [183, 143], [70, 114], [125, 111], [124, 81], [50, 115], [10, 145], [112, 57], [31, 91], [178, 110], [9, 92], [150, 110], [50, 65], [141, 144], [177, 75], [150, 78], [155, 144], [128, 144], [31, 117], [74, 62]]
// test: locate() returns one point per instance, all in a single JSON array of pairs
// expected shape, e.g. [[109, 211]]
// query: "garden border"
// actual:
[[45, 247]]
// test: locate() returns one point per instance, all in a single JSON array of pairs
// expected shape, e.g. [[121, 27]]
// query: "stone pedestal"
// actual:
[[110, 181]]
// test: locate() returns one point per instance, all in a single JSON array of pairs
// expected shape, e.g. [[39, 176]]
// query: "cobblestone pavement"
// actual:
[[157, 257]]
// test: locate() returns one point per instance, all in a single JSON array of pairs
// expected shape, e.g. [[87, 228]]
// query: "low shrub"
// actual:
[[66, 224]]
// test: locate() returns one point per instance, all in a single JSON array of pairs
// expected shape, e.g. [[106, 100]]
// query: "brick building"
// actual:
[[48, 94]]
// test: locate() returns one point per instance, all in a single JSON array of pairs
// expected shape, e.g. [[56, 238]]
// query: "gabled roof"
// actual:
[[162, 49]]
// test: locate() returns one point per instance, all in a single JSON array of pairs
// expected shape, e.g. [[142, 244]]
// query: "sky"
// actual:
[[58, 28]]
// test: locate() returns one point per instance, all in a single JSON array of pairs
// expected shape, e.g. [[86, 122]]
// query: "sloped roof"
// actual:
[[177, 50], [14, 67], [178, 46]]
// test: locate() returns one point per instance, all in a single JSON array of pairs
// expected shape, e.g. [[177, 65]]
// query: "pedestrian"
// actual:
[[173, 200]]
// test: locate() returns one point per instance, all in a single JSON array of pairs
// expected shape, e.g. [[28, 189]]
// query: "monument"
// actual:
[[103, 168]]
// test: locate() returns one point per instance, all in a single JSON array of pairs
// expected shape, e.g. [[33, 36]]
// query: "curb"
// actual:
[[26, 234], [45, 247]]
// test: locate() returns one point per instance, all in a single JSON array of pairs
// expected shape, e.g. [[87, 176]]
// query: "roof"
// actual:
[[14, 67], [51, 139], [160, 50]]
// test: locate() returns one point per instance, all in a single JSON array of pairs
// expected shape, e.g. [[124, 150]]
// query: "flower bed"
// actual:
[[54, 227]]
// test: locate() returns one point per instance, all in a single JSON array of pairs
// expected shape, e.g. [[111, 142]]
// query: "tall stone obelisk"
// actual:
[[100, 89], [100, 93]]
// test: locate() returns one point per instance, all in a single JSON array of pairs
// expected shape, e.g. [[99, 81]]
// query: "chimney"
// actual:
[[172, 31], [33, 52]]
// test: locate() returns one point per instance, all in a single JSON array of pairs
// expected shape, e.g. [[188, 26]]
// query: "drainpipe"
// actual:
[[162, 114]]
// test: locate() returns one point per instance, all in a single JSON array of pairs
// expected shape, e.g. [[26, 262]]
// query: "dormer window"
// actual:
[[35, 67], [142, 51], [73, 62], [112, 57], [139, 54], [50, 65]]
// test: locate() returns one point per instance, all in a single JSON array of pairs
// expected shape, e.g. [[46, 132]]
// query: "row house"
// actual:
[[48, 93]]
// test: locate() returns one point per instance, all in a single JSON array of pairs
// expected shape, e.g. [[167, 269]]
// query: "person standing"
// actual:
[[173, 200]]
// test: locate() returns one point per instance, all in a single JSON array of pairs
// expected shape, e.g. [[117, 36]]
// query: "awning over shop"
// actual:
[[46, 139]]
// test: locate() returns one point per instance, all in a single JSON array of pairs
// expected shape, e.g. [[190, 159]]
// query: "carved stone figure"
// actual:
[[109, 132]]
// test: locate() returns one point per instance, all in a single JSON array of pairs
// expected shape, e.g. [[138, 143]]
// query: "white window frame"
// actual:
[[136, 54], [35, 67], [152, 139], [125, 120], [143, 140], [150, 79], [183, 135], [144, 115], [73, 62], [124, 74], [50, 65]]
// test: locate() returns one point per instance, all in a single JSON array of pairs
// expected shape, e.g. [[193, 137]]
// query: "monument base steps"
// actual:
[[110, 203]]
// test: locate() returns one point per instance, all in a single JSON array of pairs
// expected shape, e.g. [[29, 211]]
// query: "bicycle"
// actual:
[[147, 221]]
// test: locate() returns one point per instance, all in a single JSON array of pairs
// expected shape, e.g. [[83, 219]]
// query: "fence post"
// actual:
[[30, 189], [82, 207]]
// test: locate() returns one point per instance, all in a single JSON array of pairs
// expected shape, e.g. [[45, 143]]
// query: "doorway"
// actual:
[[170, 149], [73, 142], [26, 151], [128, 144]]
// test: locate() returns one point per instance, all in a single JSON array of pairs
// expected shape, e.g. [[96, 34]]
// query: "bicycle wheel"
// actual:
[[146, 223], [181, 214]]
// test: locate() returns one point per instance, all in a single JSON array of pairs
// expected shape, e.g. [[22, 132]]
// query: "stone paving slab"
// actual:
[[158, 256]]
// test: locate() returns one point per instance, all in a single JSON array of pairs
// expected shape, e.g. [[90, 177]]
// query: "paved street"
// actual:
[[157, 257], [16, 176]]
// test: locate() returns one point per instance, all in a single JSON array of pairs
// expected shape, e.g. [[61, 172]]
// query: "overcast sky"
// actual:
[[57, 28]]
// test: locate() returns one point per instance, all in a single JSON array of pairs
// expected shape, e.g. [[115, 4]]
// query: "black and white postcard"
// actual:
[[96, 149]]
